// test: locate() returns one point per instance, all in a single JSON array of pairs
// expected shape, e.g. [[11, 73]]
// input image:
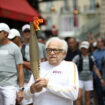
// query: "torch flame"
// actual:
[[36, 23]]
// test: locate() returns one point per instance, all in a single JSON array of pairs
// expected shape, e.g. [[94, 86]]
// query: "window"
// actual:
[[49, 23], [92, 4], [66, 23]]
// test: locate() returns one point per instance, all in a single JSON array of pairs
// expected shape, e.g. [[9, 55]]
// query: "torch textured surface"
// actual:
[[34, 53]]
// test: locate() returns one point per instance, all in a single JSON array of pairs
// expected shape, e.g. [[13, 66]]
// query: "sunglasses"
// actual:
[[26, 31]]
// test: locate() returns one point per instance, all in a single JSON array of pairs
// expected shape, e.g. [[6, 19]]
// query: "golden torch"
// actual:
[[34, 48]]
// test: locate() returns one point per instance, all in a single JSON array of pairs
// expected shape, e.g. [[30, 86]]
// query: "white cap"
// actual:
[[4, 27], [84, 44], [13, 33], [26, 26]]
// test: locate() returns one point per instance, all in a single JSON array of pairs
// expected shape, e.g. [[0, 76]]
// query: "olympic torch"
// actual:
[[34, 48]]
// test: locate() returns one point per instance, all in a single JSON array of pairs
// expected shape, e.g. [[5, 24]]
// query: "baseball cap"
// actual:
[[26, 26], [84, 44], [13, 33], [4, 27]]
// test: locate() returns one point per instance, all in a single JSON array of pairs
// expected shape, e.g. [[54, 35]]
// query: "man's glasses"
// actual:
[[56, 51]]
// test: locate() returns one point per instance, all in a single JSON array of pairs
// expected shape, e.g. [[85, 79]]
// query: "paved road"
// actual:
[[91, 100]]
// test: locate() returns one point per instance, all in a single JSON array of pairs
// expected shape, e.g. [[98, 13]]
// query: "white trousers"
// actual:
[[7, 95]]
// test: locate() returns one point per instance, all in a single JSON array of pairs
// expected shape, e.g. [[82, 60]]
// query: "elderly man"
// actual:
[[58, 82], [10, 65]]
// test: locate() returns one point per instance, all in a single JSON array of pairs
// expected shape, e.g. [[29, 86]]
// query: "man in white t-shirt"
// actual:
[[58, 82]]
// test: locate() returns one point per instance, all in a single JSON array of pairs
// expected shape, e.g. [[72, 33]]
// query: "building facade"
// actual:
[[72, 17]]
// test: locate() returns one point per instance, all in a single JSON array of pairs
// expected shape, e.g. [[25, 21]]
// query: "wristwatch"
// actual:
[[21, 88]]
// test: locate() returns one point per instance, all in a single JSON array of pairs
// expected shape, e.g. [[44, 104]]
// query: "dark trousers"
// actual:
[[99, 91]]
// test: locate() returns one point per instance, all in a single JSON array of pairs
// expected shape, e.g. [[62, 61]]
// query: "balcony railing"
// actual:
[[88, 9], [91, 26]]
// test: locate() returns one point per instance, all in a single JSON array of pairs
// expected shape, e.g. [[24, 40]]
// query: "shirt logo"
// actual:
[[4, 52], [57, 72]]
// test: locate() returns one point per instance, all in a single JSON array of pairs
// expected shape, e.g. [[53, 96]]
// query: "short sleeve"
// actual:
[[93, 59], [76, 59], [18, 56]]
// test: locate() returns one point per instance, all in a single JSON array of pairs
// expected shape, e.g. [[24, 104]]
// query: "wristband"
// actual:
[[21, 88]]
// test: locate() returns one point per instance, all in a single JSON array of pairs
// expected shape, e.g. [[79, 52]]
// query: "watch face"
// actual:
[[21, 88]]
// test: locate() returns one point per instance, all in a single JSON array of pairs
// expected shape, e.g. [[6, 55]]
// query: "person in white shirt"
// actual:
[[58, 83]]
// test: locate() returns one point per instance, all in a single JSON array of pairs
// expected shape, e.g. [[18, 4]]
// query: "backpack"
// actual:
[[80, 65]]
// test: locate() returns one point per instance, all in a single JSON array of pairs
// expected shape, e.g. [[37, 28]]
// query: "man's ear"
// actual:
[[64, 54], [6, 34]]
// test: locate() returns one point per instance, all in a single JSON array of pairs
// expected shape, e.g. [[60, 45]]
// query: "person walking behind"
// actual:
[[99, 55], [85, 64], [72, 48], [26, 57], [15, 37], [10, 68]]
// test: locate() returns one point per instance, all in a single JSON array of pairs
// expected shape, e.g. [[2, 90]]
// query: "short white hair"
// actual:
[[64, 43]]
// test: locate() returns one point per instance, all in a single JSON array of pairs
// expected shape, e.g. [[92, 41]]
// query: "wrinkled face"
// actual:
[[26, 34], [72, 43], [55, 53]]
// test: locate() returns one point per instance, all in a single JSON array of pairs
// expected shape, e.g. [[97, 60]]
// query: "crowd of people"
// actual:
[[67, 70]]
